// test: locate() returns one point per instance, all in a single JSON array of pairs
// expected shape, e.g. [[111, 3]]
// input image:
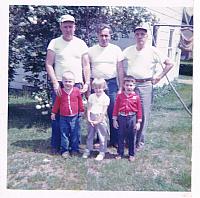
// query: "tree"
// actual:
[[32, 27]]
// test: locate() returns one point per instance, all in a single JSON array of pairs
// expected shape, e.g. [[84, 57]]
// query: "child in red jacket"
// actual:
[[127, 116], [69, 105]]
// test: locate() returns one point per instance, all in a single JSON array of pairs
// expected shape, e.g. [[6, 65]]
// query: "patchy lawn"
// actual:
[[164, 164]]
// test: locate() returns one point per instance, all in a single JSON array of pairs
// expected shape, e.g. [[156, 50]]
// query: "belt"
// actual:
[[143, 80], [110, 79], [127, 114]]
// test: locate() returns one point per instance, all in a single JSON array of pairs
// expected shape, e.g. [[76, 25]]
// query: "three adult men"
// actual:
[[143, 64], [106, 61], [66, 53]]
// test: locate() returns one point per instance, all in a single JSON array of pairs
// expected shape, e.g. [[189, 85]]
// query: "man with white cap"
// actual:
[[66, 53], [144, 64]]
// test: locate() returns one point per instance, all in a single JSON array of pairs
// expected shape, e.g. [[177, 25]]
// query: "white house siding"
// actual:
[[169, 16], [19, 82]]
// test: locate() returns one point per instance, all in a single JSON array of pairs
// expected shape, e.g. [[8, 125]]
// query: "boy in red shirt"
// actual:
[[127, 116], [69, 105]]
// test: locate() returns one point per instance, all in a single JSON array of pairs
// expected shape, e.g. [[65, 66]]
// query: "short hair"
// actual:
[[68, 73], [99, 82], [103, 26], [129, 78]]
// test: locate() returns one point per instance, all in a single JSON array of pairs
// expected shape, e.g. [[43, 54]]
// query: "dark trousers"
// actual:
[[126, 131], [112, 93], [55, 124], [69, 133]]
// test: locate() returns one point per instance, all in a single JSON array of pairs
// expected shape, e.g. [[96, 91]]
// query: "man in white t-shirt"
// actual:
[[66, 53], [144, 64], [106, 61]]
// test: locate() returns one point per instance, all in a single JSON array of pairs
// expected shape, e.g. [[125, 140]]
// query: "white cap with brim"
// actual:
[[141, 27], [67, 17]]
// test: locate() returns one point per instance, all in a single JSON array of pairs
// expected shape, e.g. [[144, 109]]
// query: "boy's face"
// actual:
[[129, 87], [68, 82]]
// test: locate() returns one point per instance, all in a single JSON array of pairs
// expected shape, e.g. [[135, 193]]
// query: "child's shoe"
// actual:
[[140, 146], [100, 156], [65, 155], [86, 154], [131, 158], [118, 157]]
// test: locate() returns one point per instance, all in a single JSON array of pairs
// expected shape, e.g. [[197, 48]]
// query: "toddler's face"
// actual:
[[98, 90], [68, 83], [129, 87]]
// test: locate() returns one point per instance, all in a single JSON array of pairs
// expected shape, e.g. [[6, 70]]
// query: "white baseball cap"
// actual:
[[142, 27], [67, 17]]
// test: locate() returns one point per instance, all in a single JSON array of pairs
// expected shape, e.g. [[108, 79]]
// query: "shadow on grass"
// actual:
[[38, 146], [20, 116]]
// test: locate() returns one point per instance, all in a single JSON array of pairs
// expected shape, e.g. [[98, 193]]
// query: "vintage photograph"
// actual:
[[100, 98]]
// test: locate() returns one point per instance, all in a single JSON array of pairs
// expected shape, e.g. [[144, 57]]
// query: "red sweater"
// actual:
[[128, 104], [69, 103]]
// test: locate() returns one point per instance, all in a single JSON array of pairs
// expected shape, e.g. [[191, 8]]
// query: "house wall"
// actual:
[[169, 16], [20, 83]]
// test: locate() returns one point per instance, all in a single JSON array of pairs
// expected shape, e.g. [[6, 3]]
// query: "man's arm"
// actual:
[[120, 72], [50, 59], [166, 69], [86, 72]]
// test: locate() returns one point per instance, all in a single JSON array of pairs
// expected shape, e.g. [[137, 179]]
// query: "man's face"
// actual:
[[67, 28], [104, 37], [141, 37]]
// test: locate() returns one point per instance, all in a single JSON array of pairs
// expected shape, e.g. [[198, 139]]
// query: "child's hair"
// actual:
[[69, 75], [129, 78], [99, 82]]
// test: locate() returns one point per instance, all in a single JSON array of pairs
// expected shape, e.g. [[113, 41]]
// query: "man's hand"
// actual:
[[155, 80], [57, 89], [85, 88]]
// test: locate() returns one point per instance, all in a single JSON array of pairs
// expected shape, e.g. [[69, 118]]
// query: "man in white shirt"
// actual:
[[106, 62], [143, 64], [66, 53]]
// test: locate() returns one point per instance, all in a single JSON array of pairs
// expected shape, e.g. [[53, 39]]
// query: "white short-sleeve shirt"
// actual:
[[68, 56], [104, 60], [97, 103], [144, 63]]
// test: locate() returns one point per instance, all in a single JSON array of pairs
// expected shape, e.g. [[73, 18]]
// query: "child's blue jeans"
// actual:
[[69, 133]]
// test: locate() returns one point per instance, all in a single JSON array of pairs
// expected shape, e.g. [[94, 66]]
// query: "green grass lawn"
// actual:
[[164, 164]]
